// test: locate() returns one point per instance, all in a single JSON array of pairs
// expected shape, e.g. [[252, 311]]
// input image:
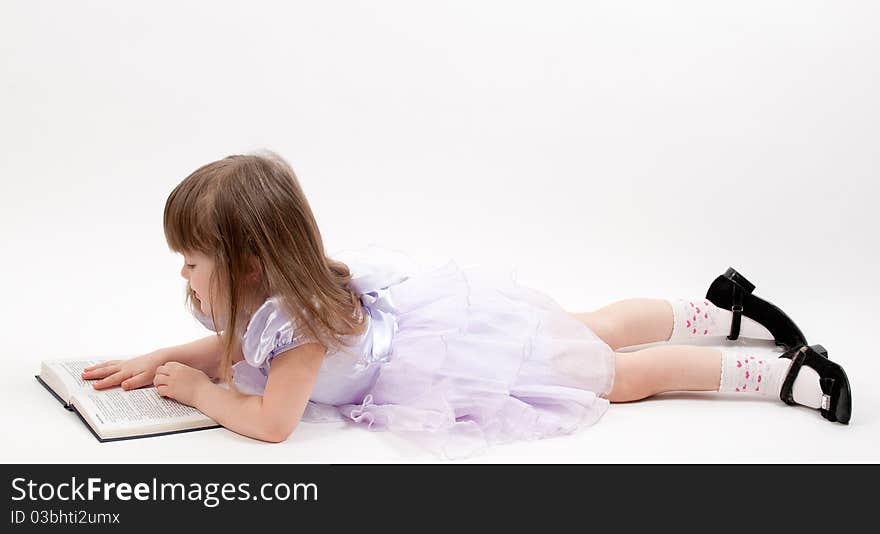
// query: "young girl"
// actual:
[[453, 358]]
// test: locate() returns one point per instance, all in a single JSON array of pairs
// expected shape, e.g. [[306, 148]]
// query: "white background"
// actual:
[[603, 150]]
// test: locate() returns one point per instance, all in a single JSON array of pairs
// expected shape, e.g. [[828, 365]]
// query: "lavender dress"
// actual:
[[453, 359]]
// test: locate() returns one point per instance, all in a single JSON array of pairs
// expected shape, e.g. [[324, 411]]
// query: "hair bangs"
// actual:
[[188, 215]]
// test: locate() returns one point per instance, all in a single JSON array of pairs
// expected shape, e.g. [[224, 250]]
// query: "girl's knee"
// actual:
[[602, 326], [629, 383]]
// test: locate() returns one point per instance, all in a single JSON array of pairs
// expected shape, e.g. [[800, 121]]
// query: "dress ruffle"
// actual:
[[478, 359]]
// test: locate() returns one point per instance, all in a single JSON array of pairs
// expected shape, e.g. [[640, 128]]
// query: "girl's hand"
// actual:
[[131, 374], [180, 382]]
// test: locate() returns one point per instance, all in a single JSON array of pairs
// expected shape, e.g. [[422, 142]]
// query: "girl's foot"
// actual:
[[836, 400], [802, 375], [731, 291]]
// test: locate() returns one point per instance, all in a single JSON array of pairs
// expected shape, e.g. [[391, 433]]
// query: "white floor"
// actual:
[[671, 428]]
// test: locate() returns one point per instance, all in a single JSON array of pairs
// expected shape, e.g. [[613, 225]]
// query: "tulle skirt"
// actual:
[[479, 359]]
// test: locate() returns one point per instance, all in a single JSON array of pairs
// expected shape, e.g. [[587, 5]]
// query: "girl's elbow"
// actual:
[[279, 431]]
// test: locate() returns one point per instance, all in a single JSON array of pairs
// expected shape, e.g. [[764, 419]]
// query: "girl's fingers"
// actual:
[[100, 372], [140, 379], [109, 381]]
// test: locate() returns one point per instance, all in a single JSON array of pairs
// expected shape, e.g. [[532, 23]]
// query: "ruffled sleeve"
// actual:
[[270, 332], [205, 320]]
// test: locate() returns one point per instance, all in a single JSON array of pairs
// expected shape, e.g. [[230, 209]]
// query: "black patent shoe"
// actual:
[[836, 394], [731, 291]]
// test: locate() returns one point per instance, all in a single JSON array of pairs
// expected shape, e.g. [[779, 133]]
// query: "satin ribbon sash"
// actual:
[[375, 295]]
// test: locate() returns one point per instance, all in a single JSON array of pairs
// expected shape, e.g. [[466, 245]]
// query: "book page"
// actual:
[[136, 406], [65, 376], [72, 370]]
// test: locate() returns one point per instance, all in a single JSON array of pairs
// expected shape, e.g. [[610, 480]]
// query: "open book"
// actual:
[[113, 414]]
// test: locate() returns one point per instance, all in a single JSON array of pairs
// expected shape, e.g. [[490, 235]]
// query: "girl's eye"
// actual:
[[191, 265]]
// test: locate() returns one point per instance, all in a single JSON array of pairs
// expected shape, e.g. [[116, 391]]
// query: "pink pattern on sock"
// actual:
[[747, 374], [697, 323]]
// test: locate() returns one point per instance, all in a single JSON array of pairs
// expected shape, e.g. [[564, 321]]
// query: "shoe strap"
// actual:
[[798, 355], [737, 309]]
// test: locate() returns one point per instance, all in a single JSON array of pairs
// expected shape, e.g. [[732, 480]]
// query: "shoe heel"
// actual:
[[836, 396], [827, 385], [734, 276]]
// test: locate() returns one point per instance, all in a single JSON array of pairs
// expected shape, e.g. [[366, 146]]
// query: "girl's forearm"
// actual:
[[240, 413], [203, 354]]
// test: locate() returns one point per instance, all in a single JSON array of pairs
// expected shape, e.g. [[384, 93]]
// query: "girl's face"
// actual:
[[197, 271]]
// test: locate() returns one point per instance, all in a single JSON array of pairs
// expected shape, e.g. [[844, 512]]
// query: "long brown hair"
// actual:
[[252, 206]]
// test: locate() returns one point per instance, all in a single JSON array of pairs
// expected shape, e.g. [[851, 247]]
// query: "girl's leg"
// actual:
[[638, 321], [654, 370], [758, 371], [631, 322]]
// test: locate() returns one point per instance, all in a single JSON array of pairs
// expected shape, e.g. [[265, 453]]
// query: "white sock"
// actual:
[[762, 372], [701, 318]]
